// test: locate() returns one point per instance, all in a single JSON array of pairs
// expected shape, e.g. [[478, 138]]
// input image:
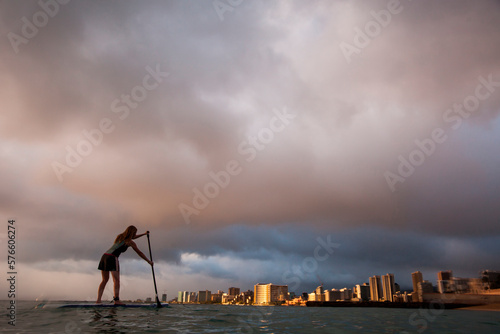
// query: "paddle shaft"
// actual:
[[153, 270]]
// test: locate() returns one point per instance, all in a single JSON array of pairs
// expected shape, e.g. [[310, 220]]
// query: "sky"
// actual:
[[286, 142]]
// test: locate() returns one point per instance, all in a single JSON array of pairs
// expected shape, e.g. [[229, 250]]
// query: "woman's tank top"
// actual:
[[117, 248]]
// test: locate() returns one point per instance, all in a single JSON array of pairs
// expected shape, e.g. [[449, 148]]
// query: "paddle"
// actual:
[[158, 304]]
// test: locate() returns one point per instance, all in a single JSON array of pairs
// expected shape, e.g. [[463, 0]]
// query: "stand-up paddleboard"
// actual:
[[113, 305]]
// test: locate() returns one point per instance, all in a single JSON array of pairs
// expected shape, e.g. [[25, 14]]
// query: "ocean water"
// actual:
[[33, 317]]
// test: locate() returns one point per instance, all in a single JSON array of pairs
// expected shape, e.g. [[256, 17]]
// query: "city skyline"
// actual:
[[378, 288], [293, 142]]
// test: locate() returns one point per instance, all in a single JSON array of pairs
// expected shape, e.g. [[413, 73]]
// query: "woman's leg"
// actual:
[[116, 281], [100, 291]]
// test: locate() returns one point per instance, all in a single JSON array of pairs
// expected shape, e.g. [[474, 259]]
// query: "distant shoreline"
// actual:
[[426, 305], [493, 307], [487, 307]]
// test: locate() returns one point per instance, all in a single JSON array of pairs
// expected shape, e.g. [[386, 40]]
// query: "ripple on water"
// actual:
[[33, 318]]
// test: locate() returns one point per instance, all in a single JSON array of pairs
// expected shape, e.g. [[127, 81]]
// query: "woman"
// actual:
[[109, 261]]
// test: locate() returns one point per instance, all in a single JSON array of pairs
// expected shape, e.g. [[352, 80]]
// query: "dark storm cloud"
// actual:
[[286, 253]]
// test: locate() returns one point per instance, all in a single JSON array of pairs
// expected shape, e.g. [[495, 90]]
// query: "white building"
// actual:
[[269, 293], [332, 295], [313, 297]]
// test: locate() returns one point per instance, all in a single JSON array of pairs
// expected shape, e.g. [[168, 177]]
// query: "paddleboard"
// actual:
[[112, 305]]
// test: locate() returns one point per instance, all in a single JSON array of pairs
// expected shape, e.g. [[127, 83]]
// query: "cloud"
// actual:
[[323, 173]]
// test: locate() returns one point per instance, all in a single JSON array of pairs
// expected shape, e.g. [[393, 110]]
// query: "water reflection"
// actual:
[[105, 321]]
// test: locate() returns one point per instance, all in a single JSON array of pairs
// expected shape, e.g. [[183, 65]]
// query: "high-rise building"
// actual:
[[445, 286], [491, 279], [445, 275], [332, 295], [164, 297], [204, 296], [345, 294], [320, 296], [375, 288], [424, 288], [363, 292], [261, 293], [216, 297], [328, 297], [388, 287], [185, 296], [190, 297], [416, 278], [269, 293], [234, 291], [314, 297], [406, 297], [444, 282]]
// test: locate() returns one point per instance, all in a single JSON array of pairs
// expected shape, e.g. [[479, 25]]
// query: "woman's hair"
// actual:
[[127, 235]]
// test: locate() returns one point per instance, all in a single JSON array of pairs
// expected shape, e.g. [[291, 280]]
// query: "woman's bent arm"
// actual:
[[140, 235], [138, 251]]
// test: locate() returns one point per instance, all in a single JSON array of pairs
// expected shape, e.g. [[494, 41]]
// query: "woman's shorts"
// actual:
[[109, 263]]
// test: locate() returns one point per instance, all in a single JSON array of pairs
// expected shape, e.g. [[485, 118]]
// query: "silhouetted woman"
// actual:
[[109, 261]]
